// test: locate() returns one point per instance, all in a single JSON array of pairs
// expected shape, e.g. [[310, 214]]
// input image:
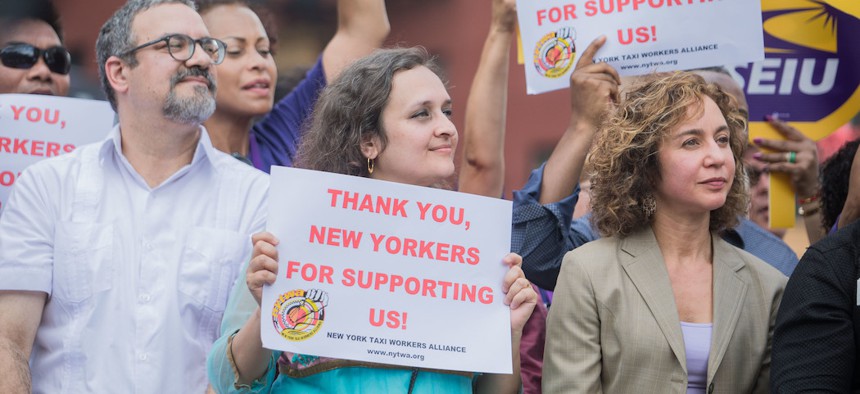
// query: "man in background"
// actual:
[[116, 260], [32, 57]]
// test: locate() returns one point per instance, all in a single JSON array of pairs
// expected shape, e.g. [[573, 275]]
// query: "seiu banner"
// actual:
[[810, 77], [811, 72]]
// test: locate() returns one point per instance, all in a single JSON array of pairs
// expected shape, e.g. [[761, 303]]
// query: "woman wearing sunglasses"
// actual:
[[246, 78], [32, 58]]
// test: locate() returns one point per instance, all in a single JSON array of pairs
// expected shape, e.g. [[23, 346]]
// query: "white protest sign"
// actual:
[[643, 36], [36, 127], [387, 273]]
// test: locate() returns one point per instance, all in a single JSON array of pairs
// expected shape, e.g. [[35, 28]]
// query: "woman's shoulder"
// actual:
[[765, 274], [594, 252]]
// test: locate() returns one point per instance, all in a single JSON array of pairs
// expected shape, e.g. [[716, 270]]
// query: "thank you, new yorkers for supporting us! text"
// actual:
[[388, 273], [643, 36], [35, 127]]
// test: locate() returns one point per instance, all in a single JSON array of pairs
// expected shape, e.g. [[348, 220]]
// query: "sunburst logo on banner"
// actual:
[[811, 72]]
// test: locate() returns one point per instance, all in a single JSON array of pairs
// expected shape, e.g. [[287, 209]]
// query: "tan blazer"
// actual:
[[613, 326]]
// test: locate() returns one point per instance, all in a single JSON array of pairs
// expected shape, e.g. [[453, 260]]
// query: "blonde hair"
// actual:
[[623, 162]]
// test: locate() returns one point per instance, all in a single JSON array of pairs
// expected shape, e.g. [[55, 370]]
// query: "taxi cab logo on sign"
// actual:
[[555, 52], [299, 314]]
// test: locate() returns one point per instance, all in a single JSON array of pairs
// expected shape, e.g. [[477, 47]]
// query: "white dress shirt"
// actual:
[[137, 277]]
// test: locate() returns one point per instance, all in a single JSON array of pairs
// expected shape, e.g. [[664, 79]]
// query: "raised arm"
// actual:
[[593, 91], [482, 170], [362, 26], [22, 313], [542, 231]]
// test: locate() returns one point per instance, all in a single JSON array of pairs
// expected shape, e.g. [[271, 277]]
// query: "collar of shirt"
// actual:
[[204, 150]]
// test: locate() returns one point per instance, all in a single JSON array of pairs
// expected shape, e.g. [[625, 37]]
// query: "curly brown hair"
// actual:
[[623, 162], [349, 111]]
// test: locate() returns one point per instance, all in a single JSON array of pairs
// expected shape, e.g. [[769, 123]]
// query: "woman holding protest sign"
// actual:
[[662, 303], [386, 117]]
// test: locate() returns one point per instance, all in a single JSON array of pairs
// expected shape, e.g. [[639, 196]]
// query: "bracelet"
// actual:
[[808, 212], [807, 200]]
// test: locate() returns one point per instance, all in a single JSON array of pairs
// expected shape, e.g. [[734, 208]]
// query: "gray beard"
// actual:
[[189, 110]]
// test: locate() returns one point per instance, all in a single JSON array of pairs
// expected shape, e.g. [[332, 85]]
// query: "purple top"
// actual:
[[697, 342], [275, 138]]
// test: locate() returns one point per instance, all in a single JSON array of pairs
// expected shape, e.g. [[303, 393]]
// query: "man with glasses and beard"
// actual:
[[116, 260], [32, 57]]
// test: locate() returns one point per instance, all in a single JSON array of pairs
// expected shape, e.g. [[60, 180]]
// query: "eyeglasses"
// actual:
[[181, 47], [25, 56]]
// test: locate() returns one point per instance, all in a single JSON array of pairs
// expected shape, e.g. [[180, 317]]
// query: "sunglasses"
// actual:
[[25, 56]]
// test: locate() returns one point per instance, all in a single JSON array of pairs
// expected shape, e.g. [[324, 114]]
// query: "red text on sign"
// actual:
[[33, 147], [36, 114], [415, 286], [7, 178], [310, 272], [606, 7], [441, 213], [367, 203], [394, 319], [335, 237], [425, 249], [642, 34], [556, 14]]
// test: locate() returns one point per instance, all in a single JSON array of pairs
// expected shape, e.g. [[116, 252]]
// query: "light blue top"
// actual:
[[697, 343], [318, 375]]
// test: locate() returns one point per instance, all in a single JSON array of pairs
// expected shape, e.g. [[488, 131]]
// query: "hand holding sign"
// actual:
[[643, 37], [593, 92], [519, 294], [802, 165], [396, 263], [263, 268]]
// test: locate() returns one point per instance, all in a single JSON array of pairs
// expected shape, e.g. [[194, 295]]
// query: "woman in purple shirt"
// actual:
[[246, 78]]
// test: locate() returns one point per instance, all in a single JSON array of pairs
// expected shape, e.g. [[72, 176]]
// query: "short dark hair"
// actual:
[[835, 174], [42, 10], [258, 7], [116, 38]]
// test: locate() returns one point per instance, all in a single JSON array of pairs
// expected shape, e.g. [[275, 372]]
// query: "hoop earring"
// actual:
[[369, 165], [649, 206]]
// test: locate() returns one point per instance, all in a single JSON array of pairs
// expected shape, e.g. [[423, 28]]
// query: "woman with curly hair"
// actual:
[[662, 303], [386, 117]]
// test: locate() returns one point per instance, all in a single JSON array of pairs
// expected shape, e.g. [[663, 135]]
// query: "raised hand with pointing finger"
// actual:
[[593, 92]]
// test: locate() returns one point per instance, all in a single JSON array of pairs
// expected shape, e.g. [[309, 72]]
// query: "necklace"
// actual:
[[240, 157]]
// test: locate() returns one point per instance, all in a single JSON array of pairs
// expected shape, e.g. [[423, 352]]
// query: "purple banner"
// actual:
[[811, 72]]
